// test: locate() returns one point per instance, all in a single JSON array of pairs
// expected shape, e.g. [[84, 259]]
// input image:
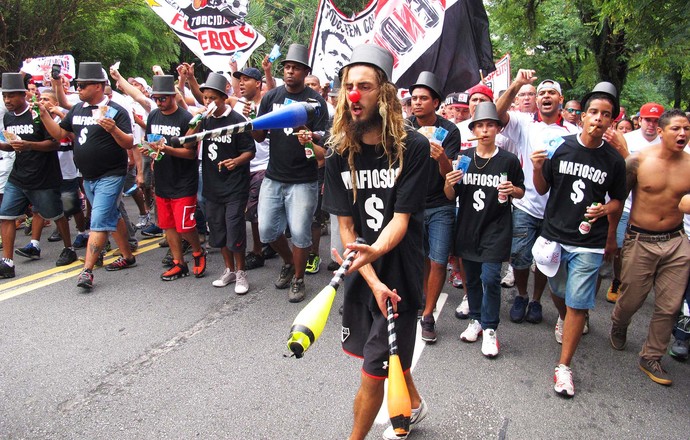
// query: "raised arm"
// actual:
[[524, 76]]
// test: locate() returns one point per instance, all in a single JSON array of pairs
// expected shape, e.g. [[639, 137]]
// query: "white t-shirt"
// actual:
[[529, 134], [260, 160], [636, 142]]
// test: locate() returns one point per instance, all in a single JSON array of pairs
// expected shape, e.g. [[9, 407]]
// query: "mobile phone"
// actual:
[[55, 71]]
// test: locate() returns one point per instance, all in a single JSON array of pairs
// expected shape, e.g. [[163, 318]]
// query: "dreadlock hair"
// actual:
[[344, 141]]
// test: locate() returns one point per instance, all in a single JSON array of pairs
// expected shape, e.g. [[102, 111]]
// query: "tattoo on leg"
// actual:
[[94, 248]]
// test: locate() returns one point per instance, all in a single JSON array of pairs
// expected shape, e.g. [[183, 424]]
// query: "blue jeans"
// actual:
[[526, 229], [484, 292], [46, 202], [438, 237], [622, 226], [104, 195], [576, 279], [282, 204]]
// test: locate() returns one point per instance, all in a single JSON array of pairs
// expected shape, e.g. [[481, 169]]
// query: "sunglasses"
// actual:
[[572, 110], [160, 98]]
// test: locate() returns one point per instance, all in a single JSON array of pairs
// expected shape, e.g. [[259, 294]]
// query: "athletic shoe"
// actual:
[[121, 263], [297, 290], [199, 263], [253, 261], [168, 259], [618, 337], [6, 271], [417, 416], [463, 310], [179, 270], [27, 225], [558, 331], [333, 266], [613, 292], [490, 343], [474, 329], [55, 236], [313, 264], [85, 279], [152, 231], [563, 378], [534, 314], [241, 282], [80, 241], [143, 221], [428, 329], [585, 329], [67, 256], [29, 251], [508, 279], [285, 277], [163, 243], [653, 369], [99, 260], [268, 252], [457, 280], [519, 309], [226, 278], [679, 349]]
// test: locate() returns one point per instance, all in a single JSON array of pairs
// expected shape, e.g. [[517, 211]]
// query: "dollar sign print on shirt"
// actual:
[[478, 197], [374, 207], [577, 195]]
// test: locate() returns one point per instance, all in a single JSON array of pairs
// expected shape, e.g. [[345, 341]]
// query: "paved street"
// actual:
[[140, 358]]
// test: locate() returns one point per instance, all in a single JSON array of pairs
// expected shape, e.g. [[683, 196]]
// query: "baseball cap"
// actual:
[[251, 72], [484, 90], [141, 81], [458, 100], [547, 255], [651, 110], [549, 84]]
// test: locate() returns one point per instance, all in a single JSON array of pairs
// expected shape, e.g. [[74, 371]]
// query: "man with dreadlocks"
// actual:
[[375, 184]]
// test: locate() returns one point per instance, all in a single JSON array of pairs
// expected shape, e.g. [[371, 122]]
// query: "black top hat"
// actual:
[[372, 55], [430, 81], [483, 112], [92, 72], [12, 82], [297, 53], [217, 82], [163, 85], [250, 72], [606, 88]]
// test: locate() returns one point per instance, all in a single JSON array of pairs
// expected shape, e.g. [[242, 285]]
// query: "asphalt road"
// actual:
[[140, 358]]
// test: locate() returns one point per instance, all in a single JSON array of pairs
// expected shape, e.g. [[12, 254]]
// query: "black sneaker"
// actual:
[[29, 251], [99, 260], [534, 314], [167, 261], [297, 291], [253, 261], [6, 271], [268, 252], [179, 270], [121, 263], [332, 266], [152, 231], [285, 277], [55, 236], [428, 329], [85, 279], [67, 256]]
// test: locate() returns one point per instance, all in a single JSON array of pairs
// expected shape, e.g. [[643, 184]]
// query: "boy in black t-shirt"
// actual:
[[584, 170]]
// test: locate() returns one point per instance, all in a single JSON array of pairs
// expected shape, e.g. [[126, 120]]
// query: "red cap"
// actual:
[[651, 110], [484, 90]]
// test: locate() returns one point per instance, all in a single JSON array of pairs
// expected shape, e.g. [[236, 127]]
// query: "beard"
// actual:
[[363, 126]]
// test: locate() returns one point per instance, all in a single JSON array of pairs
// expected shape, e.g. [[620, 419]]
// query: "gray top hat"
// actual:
[[372, 55], [163, 85], [430, 81], [297, 53], [12, 82], [483, 112], [606, 88], [92, 72], [217, 82]]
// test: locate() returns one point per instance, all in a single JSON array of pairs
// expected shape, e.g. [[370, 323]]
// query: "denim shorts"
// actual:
[[622, 226], [71, 203], [283, 204], [526, 229], [576, 279], [438, 233], [46, 202], [104, 195]]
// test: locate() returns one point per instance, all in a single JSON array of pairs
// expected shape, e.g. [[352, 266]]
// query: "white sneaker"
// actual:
[[558, 331], [474, 329], [563, 378], [241, 282], [508, 279], [225, 279], [416, 417], [490, 343], [463, 310], [143, 221], [585, 329]]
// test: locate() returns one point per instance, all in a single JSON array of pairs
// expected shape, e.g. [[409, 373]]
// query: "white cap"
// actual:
[[547, 255], [549, 84], [141, 81]]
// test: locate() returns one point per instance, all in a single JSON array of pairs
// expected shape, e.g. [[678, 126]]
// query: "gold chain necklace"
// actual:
[[487, 162]]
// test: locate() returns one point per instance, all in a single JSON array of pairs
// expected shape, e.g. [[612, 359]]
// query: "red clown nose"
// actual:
[[354, 96]]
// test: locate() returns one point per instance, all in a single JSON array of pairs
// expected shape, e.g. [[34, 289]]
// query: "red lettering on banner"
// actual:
[[179, 18], [383, 43], [213, 40], [409, 22], [201, 37], [225, 40], [247, 31]]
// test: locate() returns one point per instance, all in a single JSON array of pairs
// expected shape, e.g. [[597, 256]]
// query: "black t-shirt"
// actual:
[[451, 145], [287, 162], [379, 196], [32, 169], [175, 177], [580, 176], [96, 152], [484, 227], [224, 185]]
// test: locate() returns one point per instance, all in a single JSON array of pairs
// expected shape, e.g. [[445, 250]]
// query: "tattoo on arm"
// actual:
[[632, 163]]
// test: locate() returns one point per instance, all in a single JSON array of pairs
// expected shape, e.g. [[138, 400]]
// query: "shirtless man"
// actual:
[[656, 251]]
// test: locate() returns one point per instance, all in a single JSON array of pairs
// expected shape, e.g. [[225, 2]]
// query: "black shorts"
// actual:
[[365, 335], [255, 179], [226, 224]]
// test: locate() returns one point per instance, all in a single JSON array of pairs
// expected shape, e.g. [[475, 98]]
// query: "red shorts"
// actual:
[[177, 214]]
